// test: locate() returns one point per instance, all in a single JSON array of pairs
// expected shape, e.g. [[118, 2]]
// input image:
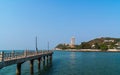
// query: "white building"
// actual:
[[109, 40], [72, 42]]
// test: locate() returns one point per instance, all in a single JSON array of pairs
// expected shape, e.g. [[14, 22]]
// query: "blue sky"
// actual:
[[56, 21]]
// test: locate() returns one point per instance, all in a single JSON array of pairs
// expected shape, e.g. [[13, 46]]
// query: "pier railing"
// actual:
[[4, 56]]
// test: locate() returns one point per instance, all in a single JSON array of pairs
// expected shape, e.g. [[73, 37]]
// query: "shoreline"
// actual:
[[89, 50]]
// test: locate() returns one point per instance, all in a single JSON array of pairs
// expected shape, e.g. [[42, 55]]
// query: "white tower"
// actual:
[[72, 43]]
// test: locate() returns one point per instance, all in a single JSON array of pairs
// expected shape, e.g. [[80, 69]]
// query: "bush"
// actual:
[[104, 47]]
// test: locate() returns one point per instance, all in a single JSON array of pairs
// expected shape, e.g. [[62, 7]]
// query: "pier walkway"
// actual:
[[10, 58]]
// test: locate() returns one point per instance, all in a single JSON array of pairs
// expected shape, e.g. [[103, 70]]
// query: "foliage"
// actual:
[[104, 47], [97, 46], [77, 47], [62, 46], [85, 45]]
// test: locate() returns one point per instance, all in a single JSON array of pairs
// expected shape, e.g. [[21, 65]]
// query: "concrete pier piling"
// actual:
[[39, 62], [18, 70], [51, 59], [47, 60], [43, 62], [31, 67]]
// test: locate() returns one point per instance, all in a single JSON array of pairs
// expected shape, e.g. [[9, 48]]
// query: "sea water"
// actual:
[[74, 63]]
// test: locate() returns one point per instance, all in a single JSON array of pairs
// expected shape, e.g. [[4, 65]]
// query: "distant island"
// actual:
[[98, 44]]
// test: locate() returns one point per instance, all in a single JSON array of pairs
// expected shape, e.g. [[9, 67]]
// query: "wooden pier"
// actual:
[[10, 58]]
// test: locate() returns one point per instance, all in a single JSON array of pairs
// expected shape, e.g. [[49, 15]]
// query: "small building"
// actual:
[[118, 45], [109, 40], [93, 46]]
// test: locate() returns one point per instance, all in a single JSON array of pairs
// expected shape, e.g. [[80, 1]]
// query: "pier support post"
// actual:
[[47, 60], [44, 62], [18, 70], [39, 62], [51, 59], [31, 67]]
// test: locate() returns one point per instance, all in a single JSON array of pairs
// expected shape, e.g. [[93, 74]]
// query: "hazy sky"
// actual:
[[56, 21]]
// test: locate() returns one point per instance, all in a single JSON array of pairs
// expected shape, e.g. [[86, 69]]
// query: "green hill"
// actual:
[[103, 43], [107, 40]]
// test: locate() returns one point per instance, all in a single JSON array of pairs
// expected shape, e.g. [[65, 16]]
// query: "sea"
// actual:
[[74, 63]]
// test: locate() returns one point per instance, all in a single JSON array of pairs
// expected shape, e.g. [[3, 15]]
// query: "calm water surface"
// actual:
[[75, 63]]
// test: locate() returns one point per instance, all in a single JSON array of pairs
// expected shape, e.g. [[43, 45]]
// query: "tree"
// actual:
[[97, 46], [85, 45], [77, 47], [104, 47], [62, 46]]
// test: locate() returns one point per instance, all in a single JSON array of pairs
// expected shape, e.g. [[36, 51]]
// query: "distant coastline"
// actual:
[[102, 44], [89, 50]]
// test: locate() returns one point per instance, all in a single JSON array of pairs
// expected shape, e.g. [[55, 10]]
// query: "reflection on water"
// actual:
[[72, 55]]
